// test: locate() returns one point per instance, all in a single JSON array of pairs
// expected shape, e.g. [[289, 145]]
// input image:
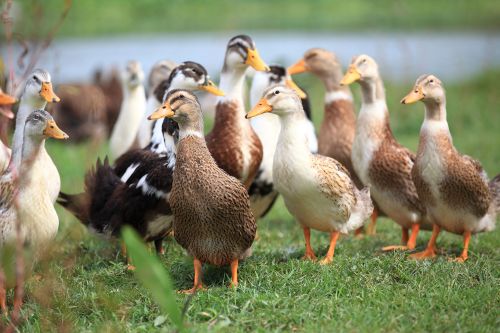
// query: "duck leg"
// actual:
[[404, 240], [430, 251], [309, 251], [234, 274], [197, 278], [358, 233], [130, 267], [463, 257], [372, 226], [331, 250]]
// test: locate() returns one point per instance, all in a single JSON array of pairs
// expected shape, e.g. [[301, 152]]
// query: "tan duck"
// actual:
[[379, 160], [24, 196], [232, 142], [37, 92], [317, 190], [336, 133], [5, 113], [212, 216], [495, 192], [453, 187]]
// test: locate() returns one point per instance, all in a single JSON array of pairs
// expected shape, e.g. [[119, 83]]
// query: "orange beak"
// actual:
[[6, 99], [254, 60], [297, 68], [164, 111], [294, 86], [413, 96], [48, 93], [53, 131], [211, 88], [262, 107], [351, 76]]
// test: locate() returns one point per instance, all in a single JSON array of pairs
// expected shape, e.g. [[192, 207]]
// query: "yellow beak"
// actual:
[[164, 111], [262, 107], [351, 76], [6, 99], [298, 67], [413, 96], [6, 112], [292, 85], [210, 87], [48, 93], [53, 131], [254, 60]]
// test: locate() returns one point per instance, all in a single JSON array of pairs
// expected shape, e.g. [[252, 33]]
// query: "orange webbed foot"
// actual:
[[326, 261], [130, 267], [460, 259], [309, 256], [426, 254]]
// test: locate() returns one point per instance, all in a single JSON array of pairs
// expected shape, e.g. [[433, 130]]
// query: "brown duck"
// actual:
[[453, 187], [232, 142], [337, 130], [212, 216], [379, 160]]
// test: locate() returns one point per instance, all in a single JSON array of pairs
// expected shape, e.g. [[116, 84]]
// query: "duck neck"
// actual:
[[372, 90], [194, 128], [27, 105], [232, 80], [435, 110], [162, 142], [31, 149], [293, 136]]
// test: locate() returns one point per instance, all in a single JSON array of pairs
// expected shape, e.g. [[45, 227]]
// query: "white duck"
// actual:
[[131, 112], [317, 189], [26, 198], [267, 127], [37, 92]]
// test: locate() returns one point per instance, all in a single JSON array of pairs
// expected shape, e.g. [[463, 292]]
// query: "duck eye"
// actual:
[[181, 96], [431, 81], [276, 92]]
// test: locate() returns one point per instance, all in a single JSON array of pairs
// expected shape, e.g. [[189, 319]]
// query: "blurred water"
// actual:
[[401, 56]]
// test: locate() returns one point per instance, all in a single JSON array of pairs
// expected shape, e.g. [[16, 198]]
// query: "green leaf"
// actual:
[[150, 272]]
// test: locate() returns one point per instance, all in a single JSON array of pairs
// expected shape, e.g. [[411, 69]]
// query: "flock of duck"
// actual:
[[209, 190]]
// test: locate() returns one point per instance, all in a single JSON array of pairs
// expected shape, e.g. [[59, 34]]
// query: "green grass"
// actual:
[[95, 17], [85, 286]]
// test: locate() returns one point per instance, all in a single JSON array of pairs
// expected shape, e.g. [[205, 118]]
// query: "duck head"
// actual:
[[363, 68], [279, 100], [183, 107], [133, 75], [39, 87], [276, 75], [428, 89], [320, 62], [189, 75], [241, 53], [40, 124], [160, 72]]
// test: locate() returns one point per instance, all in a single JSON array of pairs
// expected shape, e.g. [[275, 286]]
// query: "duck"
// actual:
[[132, 110], [233, 142], [267, 127], [453, 187], [336, 133], [5, 113], [134, 191], [158, 74], [37, 93], [213, 221], [318, 190], [24, 195], [379, 160]]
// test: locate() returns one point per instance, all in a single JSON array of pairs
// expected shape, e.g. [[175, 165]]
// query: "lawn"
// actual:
[[85, 287], [96, 17]]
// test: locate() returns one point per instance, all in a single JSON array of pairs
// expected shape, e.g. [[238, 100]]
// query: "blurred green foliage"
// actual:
[[97, 17]]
